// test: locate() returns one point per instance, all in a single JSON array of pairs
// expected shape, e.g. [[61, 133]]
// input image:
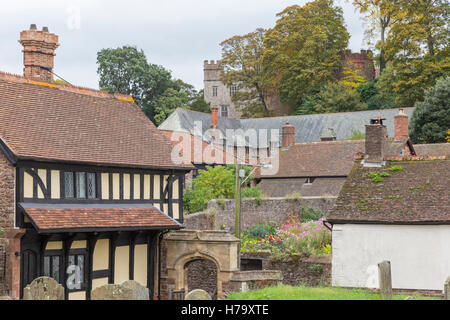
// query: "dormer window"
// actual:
[[80, 185]]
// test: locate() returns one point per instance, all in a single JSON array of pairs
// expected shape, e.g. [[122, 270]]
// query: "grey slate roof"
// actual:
[[307, 127]]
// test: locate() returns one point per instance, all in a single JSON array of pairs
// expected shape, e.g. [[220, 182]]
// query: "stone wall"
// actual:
[[219, 214], [202, 274], [3, 286], [7, 217], [297, 270]]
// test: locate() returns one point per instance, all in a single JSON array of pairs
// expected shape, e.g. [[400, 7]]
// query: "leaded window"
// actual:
[[80, 185], [51, 267]]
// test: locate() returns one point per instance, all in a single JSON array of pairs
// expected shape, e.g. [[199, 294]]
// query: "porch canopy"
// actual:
[[57, 218]]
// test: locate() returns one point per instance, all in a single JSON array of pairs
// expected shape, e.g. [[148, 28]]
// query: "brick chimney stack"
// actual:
[[38, 53], [376, 134], [214, 116], [288, 135], [401, 126]]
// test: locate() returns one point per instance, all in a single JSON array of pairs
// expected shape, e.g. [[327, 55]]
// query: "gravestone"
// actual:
[[447, 289], [43, 288], [128, 290], [198, 294], [385, 280]]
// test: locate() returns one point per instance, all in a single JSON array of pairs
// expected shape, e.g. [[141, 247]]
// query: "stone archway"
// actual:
[[184, 246]]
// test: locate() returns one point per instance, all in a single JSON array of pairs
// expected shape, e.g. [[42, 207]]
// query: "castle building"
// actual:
[[220, 95], [216, 92]]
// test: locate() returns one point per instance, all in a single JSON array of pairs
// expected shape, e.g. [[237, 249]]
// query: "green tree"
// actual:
[[332, 97], [335, 97], [199, 104], [215, 183], [303, 50], [431, 118], [126, 70], [242, 62], [371, 96]]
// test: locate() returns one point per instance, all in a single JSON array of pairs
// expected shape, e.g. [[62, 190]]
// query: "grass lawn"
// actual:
[[284, 292]]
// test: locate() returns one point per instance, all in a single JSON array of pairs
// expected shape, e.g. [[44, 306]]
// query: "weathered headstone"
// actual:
[[128, 290], [447, 289], [139, 291], [43, 288], [385, 280], [198, 294]]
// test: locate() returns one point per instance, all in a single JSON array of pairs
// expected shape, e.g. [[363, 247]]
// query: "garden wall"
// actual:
[[297, 270], [219, 214]]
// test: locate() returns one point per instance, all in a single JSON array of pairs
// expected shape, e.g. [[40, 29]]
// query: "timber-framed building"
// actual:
[[87, 184]]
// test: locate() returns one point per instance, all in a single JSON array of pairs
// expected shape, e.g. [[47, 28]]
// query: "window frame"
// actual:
[[76, 253], [222, 113], [215, 91], [75, 176]]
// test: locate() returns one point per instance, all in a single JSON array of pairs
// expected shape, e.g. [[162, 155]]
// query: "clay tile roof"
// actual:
[[42, 121], [417, 194], [318, 159], [437, 149], [47, 220], [210, 154]]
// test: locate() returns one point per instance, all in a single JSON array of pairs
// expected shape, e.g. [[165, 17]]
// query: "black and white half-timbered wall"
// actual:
[[87, 184]]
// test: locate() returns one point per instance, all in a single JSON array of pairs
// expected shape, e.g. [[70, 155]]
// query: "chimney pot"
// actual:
[[375, 141], [401, 130], [33, 26], [45, 29], [214, 116], [288, 135]]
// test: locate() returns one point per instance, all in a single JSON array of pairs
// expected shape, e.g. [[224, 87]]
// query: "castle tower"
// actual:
[[216, 92]]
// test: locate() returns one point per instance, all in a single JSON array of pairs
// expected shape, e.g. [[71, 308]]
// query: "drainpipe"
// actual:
[[161, 235]]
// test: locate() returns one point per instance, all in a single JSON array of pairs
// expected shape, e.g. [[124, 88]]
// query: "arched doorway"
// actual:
[[217, 247], [201, 274]]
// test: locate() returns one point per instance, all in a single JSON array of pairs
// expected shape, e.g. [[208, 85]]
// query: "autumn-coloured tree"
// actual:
[[379, 15], [303, 50], [351, 77], [242, 62]]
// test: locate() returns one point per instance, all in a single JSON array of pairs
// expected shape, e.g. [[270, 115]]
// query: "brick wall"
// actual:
[[220, 214]]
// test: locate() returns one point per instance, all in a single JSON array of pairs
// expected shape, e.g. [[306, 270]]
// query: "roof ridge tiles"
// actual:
[[66, 87]]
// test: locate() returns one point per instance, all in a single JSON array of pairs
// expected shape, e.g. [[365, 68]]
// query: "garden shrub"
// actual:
[[310, 214]]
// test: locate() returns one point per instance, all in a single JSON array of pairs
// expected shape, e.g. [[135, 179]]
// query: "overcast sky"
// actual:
[[178, 34]]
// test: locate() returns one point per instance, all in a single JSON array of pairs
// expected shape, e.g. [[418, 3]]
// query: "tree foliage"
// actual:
[[380, 15], [417, 46], [430, 121], [332, 97], [242, 62], [303, 50], [126, 70], [215, 183], [371, 96]]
